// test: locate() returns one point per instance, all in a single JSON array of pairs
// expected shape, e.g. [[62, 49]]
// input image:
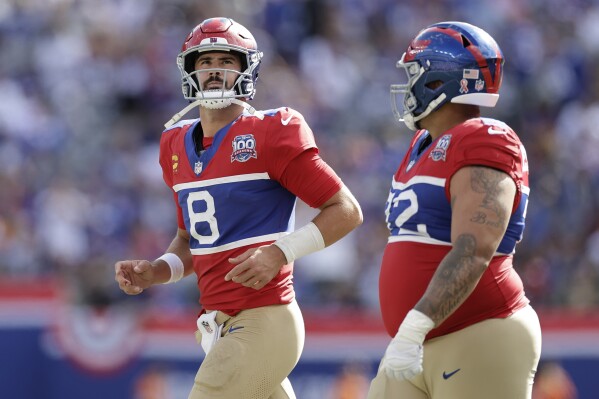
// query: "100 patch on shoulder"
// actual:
[[244, 148]]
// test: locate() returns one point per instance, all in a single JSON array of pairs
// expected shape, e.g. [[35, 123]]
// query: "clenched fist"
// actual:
[[134, 276]]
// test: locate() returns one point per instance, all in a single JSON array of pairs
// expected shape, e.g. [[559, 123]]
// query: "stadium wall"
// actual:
[[55, 349]]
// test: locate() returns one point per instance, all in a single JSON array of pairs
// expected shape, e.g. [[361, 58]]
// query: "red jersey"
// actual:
[[419, 218], [240, 193]]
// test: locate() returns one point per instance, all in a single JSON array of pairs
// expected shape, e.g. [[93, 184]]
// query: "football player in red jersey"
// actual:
[[461, 324], [236, 174]]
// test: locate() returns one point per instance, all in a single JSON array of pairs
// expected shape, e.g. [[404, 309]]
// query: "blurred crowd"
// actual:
[[86, 87]]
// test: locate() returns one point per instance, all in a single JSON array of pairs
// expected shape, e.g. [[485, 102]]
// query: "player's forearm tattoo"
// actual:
[[453, 281], [487, 181]]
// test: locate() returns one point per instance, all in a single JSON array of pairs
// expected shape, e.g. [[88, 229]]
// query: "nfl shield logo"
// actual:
[[207, 327], [197, 168], [479, 85]]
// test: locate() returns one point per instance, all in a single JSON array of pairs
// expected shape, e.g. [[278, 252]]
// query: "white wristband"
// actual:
[[301, 242], [176, 265], [415, 326]]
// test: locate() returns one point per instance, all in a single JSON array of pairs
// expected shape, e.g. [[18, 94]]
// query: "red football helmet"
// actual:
[[220, 34]]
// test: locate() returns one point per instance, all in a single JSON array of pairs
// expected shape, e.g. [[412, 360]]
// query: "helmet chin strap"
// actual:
[[410, 120], [253, 111], [219, 103]]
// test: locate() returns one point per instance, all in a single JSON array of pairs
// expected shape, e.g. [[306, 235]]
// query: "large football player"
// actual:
[[236, 174], [461, 324]]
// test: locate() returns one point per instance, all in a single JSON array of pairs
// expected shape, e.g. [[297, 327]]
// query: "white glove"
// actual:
[[403, 357]]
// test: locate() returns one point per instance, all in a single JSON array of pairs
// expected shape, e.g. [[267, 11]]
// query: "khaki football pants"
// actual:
[[493, 359], [257, 350]]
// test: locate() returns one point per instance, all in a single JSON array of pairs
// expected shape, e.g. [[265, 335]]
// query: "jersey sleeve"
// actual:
[[497, 147], [288, 136], [310, 178], [168, 163], [293, 160]]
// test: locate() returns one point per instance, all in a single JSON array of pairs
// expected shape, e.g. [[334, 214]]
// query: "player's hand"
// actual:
[[404, 355], [256, 266], [403, 359], [133, 276]]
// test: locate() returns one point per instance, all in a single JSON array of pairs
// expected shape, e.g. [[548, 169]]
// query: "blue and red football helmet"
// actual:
[[463, 61]]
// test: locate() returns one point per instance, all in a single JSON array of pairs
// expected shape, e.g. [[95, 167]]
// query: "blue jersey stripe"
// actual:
[[221, 212]]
